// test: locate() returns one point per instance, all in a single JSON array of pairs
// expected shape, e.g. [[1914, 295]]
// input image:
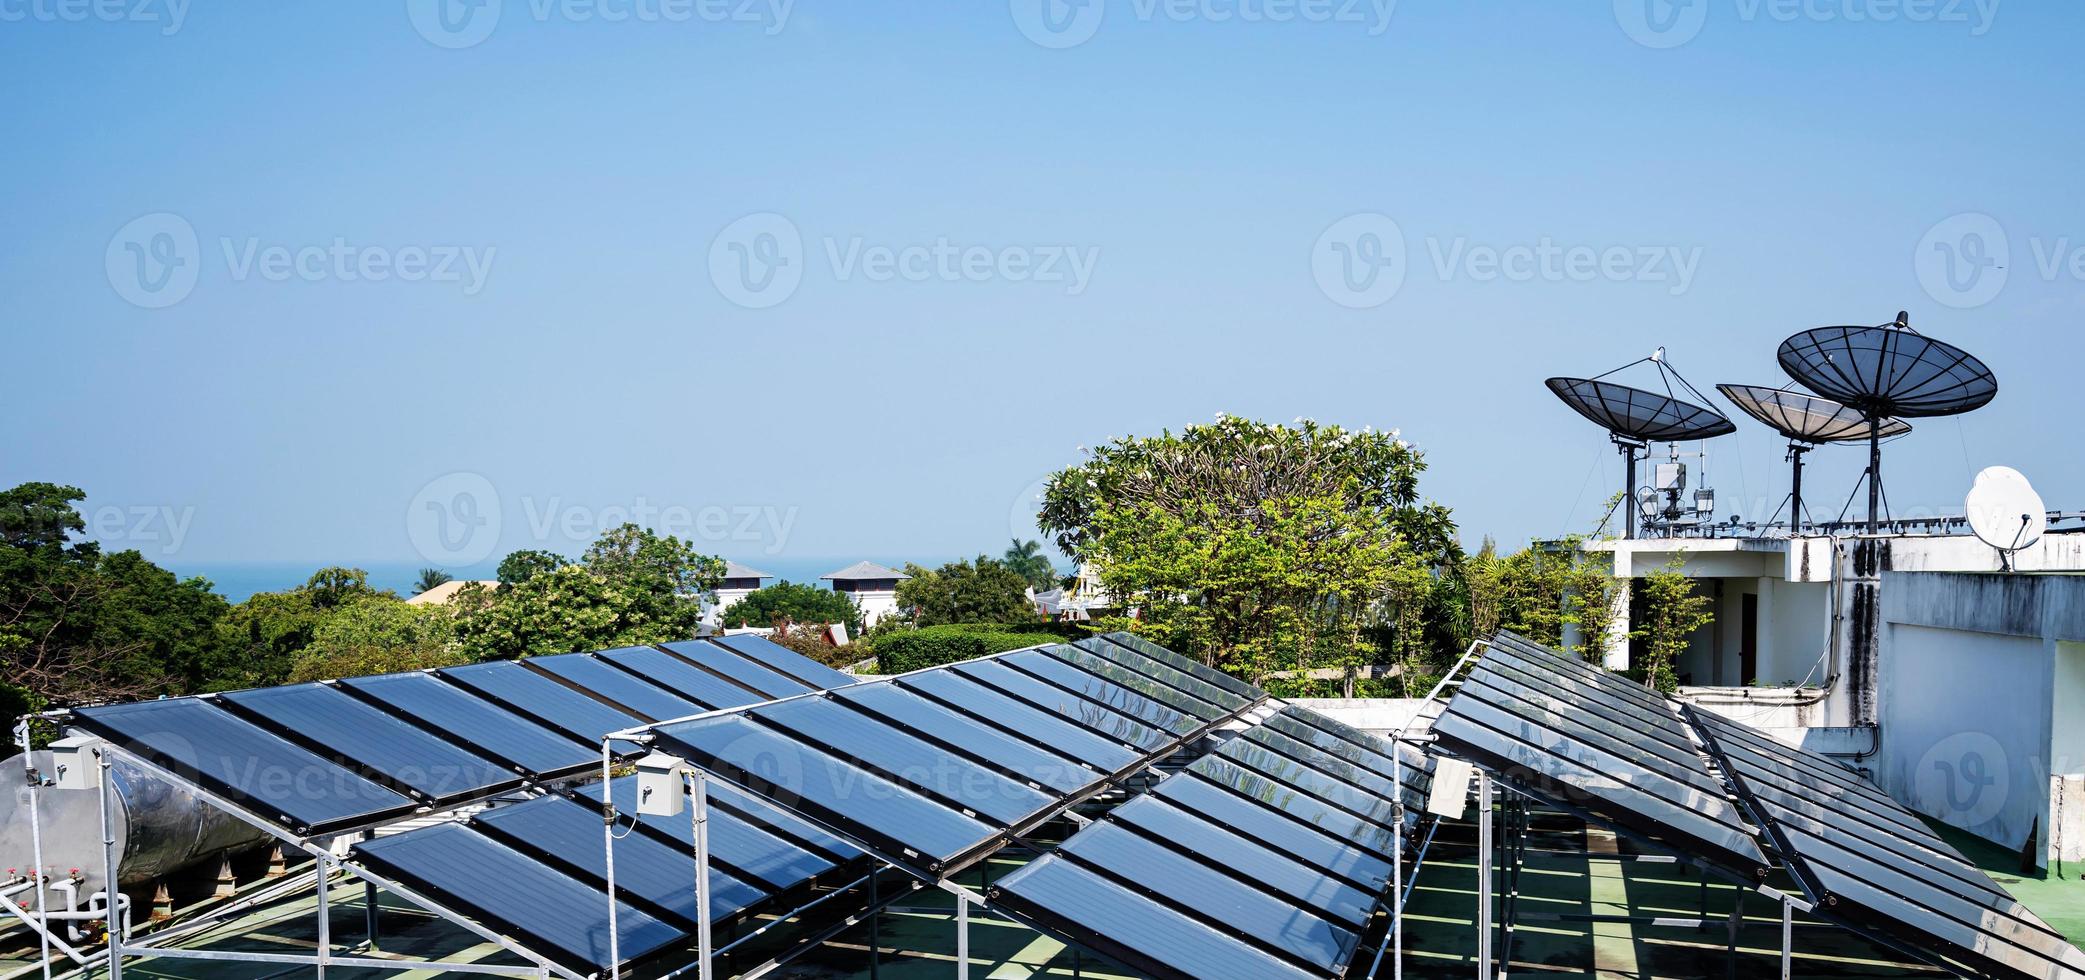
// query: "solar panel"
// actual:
[[1361, 802], [1101, 691], [1358, 749], [1194, 707], [649, 872], [681, 677], [552, 912], [1870, 863], [334, 724], [1283, 873], [1010, 755], [522, 690], [1051, 698], [864, 741], [237, 759], [907, 826], [1290, 829], [466, 719], [1021, 718], [1188, 665], [1171, 677], [1295, 803], [739, 668], [1588, 750], [778, 854], [785, 661], [616, 686], [1129, 928], [1334, 767]]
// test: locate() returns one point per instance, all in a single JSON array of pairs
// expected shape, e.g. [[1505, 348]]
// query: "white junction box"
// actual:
[[659, 785], [74, 764]]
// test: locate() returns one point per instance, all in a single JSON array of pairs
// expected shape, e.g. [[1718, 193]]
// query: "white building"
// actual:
[[873, 588], [1957, 686], [739, 582]]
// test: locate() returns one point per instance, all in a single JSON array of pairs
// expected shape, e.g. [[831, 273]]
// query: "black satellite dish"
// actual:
[[1634, 417], [1807, 421], [1884, 371]]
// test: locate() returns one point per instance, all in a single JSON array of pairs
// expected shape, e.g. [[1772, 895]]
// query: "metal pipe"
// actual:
[[108, 866], [35, 780], [697, 786], [325, 917], [1787, 939], [1483, 875], [615, 948], [962, 938]]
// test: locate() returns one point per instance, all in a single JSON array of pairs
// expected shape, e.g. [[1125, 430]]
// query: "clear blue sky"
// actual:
[[606, 355]]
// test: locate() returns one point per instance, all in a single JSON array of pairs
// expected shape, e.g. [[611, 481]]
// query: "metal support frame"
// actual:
[[1484, 966], [120, 946]]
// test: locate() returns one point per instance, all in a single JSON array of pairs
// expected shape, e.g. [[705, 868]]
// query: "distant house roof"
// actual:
[[441, 594], [864, 570], [733, 569]]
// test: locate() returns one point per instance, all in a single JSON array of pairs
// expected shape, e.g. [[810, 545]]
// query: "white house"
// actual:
[[739, 582], [873, 588]]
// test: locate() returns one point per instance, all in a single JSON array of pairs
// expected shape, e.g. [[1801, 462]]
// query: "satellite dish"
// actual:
[[1634, 417], [1884, 371], [2005, 512], [1807, 421]]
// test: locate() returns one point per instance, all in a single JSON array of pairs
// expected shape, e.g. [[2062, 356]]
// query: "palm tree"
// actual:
[[429, 578], [1027, 558]]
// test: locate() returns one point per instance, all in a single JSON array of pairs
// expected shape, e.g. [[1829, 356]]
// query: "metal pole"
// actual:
[[35, 779], [108, 870], [962, 938], [1787, 938], [1397, 864], [1874, 471], [615, 946], [698, 789], [1629, 489], [1483, 875], [875, 916], [369, 913], [1795, 516], [325, 917]]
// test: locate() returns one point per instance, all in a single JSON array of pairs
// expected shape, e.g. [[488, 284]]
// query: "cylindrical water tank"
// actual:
[[159, 828]]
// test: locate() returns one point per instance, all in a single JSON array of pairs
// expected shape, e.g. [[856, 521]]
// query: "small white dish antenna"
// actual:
[[2005, 512]]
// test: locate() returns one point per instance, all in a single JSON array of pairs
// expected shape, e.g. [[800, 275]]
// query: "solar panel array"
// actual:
[[538, 871], [937, 769], [1268, 858], [1578, 736], [1867, 859], [322, 758]]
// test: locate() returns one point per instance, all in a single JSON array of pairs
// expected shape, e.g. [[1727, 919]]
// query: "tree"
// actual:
[[1673, 610], [1258, 546], [520, 566], [981, 591], [261, 640], [430, 579], [1546, 592], [1027, 560], [377, 635], [789, 602], [632, 587]]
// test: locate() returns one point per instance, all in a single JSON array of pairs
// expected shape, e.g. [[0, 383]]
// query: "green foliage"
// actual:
[[1027, 560], [80, 625], [932, 646], [983, 591], [632, 587], [1260, 547], [259, 641], [520, 566], [791, 602], [1541, 590], [377, 635], [810, 640], [1673, 609], [430, 579]]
